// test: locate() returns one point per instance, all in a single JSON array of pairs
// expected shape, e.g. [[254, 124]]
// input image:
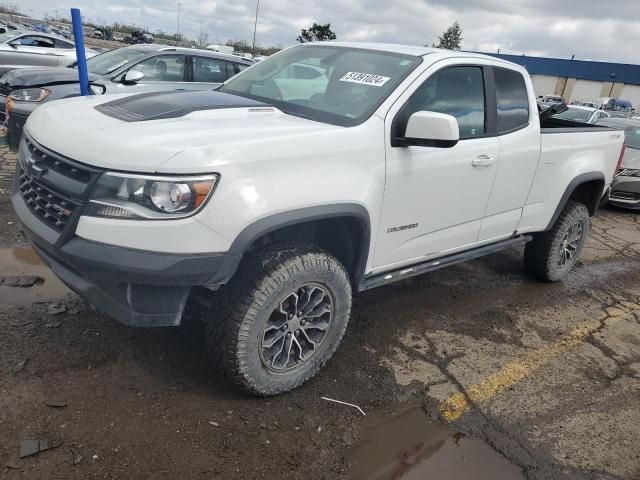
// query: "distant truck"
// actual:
[[221, 49], [138, 37]]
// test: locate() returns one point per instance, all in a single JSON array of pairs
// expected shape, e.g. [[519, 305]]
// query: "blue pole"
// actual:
[[80, 55]]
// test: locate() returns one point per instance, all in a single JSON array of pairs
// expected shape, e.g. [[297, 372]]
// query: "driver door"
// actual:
[[435, 198]]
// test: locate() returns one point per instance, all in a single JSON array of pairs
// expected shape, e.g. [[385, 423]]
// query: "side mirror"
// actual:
[[97, 88], [132, 76], [13, 45], [430, 129]]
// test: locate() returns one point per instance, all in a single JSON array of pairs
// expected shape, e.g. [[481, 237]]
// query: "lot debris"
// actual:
[[11, 465], [77, 458], [56, 308], [55, 403], [345, 403], [215, 424], [20, 280], [29, 448], [18, 367]]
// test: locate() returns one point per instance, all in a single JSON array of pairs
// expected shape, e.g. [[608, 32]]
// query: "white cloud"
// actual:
[[608, 31]]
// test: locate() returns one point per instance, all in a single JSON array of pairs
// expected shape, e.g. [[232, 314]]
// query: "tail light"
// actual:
[[619, 166]]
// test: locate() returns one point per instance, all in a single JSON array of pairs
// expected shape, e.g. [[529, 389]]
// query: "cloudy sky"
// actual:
[[591, 29]]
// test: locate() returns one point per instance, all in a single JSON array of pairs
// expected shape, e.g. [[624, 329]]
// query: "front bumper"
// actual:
[[625, 192], [136, 287]]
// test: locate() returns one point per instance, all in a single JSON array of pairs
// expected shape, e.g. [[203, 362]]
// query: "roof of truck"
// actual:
[[415, 50]]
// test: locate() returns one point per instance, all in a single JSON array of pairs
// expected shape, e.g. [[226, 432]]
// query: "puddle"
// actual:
[[25, 261], [408, 445]]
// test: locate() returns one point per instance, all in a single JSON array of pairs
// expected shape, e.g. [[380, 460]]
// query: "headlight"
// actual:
[[29, 94], [143, 197]]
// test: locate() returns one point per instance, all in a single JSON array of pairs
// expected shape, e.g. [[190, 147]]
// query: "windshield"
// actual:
[[341, 86], [574, 114], [110, 61]]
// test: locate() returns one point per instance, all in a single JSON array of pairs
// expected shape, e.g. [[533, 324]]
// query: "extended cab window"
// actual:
[[513, 100], [456, 91]]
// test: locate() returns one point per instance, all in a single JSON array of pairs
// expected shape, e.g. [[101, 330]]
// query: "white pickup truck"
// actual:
[[278, 206]]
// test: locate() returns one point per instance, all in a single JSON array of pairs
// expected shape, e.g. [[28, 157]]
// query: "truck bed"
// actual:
[[558, 125]]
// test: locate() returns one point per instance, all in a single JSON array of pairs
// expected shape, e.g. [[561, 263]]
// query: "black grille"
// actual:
[[5, 89], [625, 195], [65, 167], [51, 207]]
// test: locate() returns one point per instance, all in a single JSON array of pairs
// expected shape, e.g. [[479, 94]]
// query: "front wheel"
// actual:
[[288, 309], [551, 255]]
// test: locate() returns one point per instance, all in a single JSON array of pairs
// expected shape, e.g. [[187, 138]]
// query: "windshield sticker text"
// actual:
[[365, 79]]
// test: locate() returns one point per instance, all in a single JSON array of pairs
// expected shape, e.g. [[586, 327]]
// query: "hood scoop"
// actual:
[[160, 105]]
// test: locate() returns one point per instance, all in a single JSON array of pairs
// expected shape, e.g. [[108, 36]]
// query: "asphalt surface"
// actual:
[[476, 371]]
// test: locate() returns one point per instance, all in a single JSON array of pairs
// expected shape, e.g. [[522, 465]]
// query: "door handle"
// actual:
[[483, 161]]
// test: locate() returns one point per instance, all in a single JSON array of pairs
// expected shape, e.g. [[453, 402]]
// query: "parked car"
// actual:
[[582, 114], [41, 27], [590, 104], [139, 38], [142, 68], [625, 188], [620, 106], [412, 159], [221, 49], [551, 99], [34, 49]]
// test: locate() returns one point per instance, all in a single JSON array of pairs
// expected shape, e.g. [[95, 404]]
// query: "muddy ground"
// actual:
[[476, 371]]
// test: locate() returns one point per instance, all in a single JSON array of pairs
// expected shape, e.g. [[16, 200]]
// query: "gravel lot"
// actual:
[[476, 371]]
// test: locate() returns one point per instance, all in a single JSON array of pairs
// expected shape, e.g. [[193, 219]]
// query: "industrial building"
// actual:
[[581, 80]]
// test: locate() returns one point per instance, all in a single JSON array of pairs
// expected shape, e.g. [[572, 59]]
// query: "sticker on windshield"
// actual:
[[365, 79]]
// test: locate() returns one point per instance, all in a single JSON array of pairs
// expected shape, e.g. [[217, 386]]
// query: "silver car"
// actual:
[[135, 69], [625, 188], [35, 49]]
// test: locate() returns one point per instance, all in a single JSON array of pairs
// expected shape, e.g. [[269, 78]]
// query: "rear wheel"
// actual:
[[287, 310], [551, 255]]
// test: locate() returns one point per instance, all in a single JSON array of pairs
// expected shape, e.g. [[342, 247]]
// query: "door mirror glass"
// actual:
[[132, 76], [97, 88], [430, 129]]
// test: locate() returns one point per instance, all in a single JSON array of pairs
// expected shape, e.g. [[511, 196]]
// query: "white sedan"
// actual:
[[579, 113], [35, 49]]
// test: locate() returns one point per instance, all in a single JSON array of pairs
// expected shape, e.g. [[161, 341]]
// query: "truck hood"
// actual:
[[42, 76], [142, 132]]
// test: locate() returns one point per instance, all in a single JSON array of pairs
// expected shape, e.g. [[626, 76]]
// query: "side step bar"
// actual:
[[438, 263]]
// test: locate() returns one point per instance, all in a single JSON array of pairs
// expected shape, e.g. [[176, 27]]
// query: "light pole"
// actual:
[[255, 26], [178, 29]]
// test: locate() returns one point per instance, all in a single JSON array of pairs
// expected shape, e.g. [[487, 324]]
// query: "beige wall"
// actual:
[[631, 93], [585, 90], [544, 84]]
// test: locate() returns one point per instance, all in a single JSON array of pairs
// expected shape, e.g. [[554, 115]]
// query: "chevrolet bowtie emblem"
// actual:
[[37, 170]]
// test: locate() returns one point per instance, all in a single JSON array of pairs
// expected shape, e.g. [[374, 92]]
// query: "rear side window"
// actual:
[[63, 44], [512, 99], [456, 91], [209, 70]]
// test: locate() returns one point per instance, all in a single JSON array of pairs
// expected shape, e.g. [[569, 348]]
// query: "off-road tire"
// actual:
[[262, 280], [542, 254]]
